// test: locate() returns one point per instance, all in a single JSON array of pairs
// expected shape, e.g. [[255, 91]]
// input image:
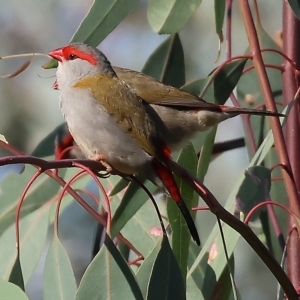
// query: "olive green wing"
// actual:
[[127, 109], [155, 92]]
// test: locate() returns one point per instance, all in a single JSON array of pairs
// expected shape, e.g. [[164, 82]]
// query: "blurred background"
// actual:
[[29, 106]]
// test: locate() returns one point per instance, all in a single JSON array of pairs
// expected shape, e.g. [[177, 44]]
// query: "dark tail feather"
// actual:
[[189, 220], [166, 176], [248, 111]]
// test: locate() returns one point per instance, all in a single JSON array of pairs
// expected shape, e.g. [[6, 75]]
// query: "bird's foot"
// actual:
[[101, 160]]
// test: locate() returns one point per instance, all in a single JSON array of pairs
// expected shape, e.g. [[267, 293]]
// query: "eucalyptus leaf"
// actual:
[[132, 201], [144, 271], [47, 145], [181, 237], [170, 16], [59, 280], [295, 5], [33, 232], [219, 88], [219, 262], [102, 18], [219, 17], [9, 291], [108, 277], [166, 280], [255, 188], [12, 186], [166, 63], [16, 275]]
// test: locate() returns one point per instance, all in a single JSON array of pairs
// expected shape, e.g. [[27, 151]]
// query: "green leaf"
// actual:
[[33, 232], [219, 17], [8, 169], [16, 275], [12, 186], [47, 145], [9, 291], [295, 6], [170, 16], [181, 237], [108, 277], [120, 186], [102, 18], [166, 278], [219, 262], [223, 288], [255, 188], [221, 86], [166, 63], [59, 280], [192, 291], [197, 87], [206, 153], [227, 79], [146, 268], [140, 228], [129, 205], [143, 230], [202, 268]]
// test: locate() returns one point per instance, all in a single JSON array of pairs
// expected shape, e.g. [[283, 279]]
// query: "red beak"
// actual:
[[57, 54]]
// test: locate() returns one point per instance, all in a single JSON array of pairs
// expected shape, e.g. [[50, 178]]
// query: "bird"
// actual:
[[129, 121], [183, 114]]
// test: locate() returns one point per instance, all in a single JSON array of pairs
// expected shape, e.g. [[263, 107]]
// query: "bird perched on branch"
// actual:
[[129, 121]]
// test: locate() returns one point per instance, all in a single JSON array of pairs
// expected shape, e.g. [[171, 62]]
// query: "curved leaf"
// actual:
[[47, 145], [196, 88], [9, 291], [219, 262], [166, 63], [43, 189], [108, 277], [166, 278], [170, 16], [227, 79], [33, 232], [181, 237], [221, 86], [102, 18], [16, 275], [120, 186], [146, 267], [136, 218], [219, 17], [7, 169], [295, 5], [255, 188], [59, 280], [132, 201]]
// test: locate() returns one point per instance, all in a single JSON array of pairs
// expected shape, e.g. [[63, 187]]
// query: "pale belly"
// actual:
[[96, 133]]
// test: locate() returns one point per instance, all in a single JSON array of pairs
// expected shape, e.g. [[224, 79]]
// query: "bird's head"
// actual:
[[77, 61]]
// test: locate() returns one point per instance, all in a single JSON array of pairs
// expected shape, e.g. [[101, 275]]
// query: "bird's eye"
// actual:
[[72, 56]]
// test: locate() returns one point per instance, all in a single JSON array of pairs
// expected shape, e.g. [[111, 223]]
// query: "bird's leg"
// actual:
[[101, 160]]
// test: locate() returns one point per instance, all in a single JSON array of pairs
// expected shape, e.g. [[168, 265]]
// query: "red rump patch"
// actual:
[[62, 144], [168, 180], [167, 152], [70, 50]]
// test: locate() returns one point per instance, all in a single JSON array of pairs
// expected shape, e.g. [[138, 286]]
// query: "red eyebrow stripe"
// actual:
[[82, 55]]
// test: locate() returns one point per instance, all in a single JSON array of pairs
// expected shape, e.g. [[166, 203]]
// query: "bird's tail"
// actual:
[[166, 176], [248, 111]]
